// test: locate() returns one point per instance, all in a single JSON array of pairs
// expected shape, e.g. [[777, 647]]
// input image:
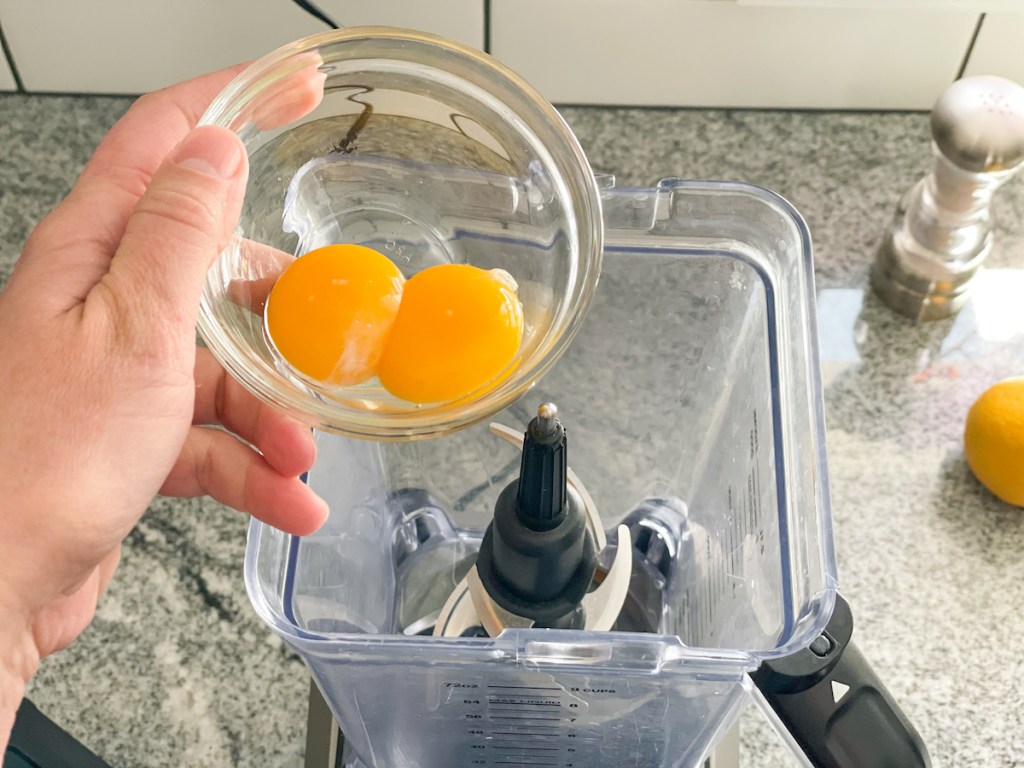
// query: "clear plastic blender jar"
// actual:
[[690, 391]]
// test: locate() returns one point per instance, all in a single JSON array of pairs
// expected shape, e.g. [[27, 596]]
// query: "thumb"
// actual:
[[179, 226]]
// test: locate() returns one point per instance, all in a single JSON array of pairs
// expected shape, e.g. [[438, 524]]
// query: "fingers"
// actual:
[[178, 228], [216, 464], [128, 157], [294, 95], [263, 265], [106, 570], [287, 446], [78, 238], [153, 126]]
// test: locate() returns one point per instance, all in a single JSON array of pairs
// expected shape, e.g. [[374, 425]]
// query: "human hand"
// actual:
[[103, 389]]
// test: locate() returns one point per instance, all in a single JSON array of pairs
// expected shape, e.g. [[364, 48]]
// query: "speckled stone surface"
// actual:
[[177, 670]]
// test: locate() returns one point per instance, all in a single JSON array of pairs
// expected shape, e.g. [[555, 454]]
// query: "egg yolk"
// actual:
[[330, 312], [458, 327]]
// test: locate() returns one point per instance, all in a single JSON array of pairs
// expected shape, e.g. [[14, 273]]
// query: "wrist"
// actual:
[[19, 659]]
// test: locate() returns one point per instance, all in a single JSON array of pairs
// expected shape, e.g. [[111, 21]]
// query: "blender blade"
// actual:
[[471, 605]]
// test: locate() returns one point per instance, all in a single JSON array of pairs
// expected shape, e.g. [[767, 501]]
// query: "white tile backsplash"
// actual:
[[719, 53], [999, 49], [133, 46]]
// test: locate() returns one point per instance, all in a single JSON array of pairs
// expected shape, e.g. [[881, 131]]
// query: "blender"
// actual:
[[604, 556]]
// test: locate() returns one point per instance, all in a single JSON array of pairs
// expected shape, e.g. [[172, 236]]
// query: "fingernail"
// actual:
[[210, 150]]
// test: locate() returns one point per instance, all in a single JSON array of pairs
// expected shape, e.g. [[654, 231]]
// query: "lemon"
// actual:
[[994, 440]]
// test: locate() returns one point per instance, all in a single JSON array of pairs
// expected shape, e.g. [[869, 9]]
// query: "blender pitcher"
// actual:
[[682, 426]]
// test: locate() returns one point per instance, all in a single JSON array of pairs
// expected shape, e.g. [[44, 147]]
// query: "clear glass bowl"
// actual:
[[427, 151]]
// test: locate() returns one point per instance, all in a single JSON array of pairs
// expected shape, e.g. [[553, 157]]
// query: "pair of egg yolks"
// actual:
[[343, 314]]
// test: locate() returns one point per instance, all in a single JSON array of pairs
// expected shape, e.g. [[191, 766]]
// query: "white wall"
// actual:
[[846, 54], [999, 49], [719, 53], [133, 46], [458, 19]]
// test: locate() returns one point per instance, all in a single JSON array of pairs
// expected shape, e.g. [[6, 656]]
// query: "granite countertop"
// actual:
[[178, 670]]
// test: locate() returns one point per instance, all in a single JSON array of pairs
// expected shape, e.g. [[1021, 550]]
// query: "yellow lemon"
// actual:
[[994, 440]]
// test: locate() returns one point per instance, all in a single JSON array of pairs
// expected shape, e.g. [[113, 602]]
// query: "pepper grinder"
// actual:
[[942, 231]]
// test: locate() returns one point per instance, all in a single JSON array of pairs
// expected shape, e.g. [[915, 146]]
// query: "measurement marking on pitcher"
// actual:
[[537, 727], [516, 709], [521, 733], [523, 688], [516, 748], [508, 743], [526, 725], [520, 701]]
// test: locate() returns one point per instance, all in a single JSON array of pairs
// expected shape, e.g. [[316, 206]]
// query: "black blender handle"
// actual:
[[835, 707]]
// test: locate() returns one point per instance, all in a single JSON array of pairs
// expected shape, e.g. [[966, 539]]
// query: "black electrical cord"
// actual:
[[316, 13]]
